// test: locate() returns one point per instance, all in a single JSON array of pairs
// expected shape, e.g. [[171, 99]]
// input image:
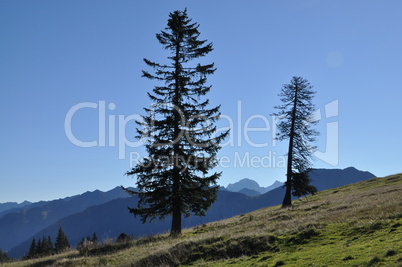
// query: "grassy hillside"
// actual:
[[355, 225]]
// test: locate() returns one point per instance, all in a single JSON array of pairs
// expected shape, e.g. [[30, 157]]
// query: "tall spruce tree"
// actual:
[[95, 238], [182, 142], [44, 246], [49, 246], [296, 121], [32, 249], [61, 243], [39, 248]]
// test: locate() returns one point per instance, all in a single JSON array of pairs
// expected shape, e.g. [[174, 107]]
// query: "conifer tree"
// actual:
[[44, 246], [49, 246], [3, 256], [182, 142], [296, 125], [82, 242], [61, 243], [32, 249], [302, 184], [95, 238], [39, 248]]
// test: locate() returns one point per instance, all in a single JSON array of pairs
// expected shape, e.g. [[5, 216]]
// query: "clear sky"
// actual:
[[70, 72]]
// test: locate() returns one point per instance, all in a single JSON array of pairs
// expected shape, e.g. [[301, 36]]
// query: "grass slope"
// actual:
[[354, 225]]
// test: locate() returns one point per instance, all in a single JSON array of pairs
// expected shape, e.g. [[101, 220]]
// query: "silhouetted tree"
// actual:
[[43, 247], [81, 242], [3, 257], [95, 238], [49, 248], [296, 125], [123, 237], [61, 243], [301, 184], [87, 244], [179, 128], [39, 248], [32, 249]]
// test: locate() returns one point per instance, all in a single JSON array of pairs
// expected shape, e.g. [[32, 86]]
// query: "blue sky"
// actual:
[[55, 55]]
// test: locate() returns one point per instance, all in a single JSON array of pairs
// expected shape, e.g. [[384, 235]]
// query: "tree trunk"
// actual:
[[175, 230], [287, 200]]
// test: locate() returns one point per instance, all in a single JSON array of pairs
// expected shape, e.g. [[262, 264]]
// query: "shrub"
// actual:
[[279, 263], [3, 257], [123, 237], [348, 258], [374, 261], [390, 253], [85, 246]]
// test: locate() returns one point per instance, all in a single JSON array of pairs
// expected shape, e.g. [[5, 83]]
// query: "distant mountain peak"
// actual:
[[353, 169], [277, 183], [251, 187], [350, 169], [12, 205], [244, 183], [247, 180]]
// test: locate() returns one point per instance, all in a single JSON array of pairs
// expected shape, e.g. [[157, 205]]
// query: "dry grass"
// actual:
[[273, 236]]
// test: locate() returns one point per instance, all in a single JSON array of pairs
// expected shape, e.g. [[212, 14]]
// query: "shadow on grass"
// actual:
[[210, 249], [43, 263]]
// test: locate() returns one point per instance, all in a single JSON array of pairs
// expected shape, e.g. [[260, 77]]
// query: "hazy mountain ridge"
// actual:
[[101, 217], [354, 225], [251, 185], [249, 192], [4, 207], [325, 179], [17, 226]]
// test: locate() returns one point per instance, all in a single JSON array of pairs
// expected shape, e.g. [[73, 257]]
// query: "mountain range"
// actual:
[[250, 187], [12, 205], [106, 212]]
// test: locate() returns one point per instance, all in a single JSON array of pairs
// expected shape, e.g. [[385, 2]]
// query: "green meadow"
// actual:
[[354, 225]]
